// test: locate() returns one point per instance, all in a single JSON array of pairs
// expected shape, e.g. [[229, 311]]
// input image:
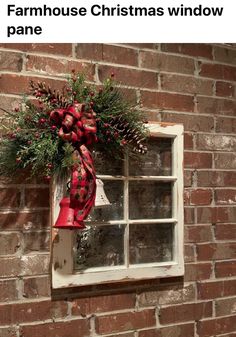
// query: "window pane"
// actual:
[[114, 192], [157, 161], [151, 243], [150, 200], [99, 246], [105, 165]]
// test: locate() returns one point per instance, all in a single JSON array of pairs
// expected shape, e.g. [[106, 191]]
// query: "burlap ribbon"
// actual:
[[78, 126]]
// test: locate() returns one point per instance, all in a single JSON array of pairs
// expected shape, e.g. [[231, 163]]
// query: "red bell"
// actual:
[[66, 218]]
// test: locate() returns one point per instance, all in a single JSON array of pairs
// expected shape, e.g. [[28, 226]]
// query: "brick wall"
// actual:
[[190, 84]]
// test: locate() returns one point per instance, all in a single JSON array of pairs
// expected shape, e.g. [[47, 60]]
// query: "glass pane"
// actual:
[[107, 166], [99, 246], [114, 192], [151, 243], [150, 200], [157, 161]]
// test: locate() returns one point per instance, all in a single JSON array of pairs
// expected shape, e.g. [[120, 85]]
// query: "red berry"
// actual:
[[42, 120], [36, 135], [17, 109], [47, 178], [53, 127], [106, 125], [49, 165], [123, 142], [29, 142], [112, 74]]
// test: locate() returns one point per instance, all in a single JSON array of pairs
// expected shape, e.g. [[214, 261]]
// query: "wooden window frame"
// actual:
[[63, 274]]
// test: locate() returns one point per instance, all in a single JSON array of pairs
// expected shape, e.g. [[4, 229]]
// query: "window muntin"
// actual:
[[140, 235]]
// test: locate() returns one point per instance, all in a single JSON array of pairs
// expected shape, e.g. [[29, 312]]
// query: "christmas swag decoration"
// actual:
[[54, 135]]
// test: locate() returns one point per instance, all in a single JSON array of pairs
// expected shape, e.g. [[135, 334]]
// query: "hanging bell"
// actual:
[[101, 198], [66, 218]]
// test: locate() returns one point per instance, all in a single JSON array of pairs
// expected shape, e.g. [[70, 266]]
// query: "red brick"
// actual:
[[25, 220], [132, 77], [188, 178], [165, 62], [216, 251], [36, 241], [8, 290], [125, 321], [89, 51], [188, 141], [37, 197], [58, 67], [197, 160], [226, 268], [119, 55], [167, 294], [99, 304], [186, 197], [225, 89], [78, 327], [11, 61], [216, 214], [201, 197], [17, 84], [167, 101], [179, 330], [35, 287], [225, 196], [216, 178], [185, 312], [49, 48], [10, 267], [215, 289], [225, 307], [198, 233], [216, 326], [186, 84], [8, 331], [9, 197], [192, 49], [9, 243], [225, 55], [225, 161], [188, 215], [189, 253], [216, 106], [218, 71], [31, 312], [225, 232], [190, 122], [197, 271], [226, 125]]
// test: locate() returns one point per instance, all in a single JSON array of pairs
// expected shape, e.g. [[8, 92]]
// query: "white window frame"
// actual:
[[63, 274]]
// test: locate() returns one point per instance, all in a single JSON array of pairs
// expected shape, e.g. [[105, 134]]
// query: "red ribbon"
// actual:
[[78, 126]]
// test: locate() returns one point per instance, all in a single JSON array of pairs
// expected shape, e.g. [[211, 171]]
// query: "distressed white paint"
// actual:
[[63, 274]]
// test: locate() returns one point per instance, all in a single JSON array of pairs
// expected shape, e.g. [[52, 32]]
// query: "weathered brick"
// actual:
[[186, 84], [216, 106], [200, 197], [119, 55], [179, 330], [78, 327], [58, 67], [9, 197], [225, 231], [226, 268], [225, 161], [11, 61], [35, 287], [225, 55], [167, 101], [226, 125], [216, 326], [33, 220], [198, 233], [10, 267], [48, 48], [35, 264], [225, 196], [216, 142], [188, 178], [132, 77], [37, 197], [218, 71], [189, 253], [225, 307], [36, 241], [197, 160], [125, 321], [197, 271], [216, 251], [99, 304], [169, 294], [192, 49], [32, 311], [9, 243], [216, 289], [165, 62], [185, 312], [89, 51], [8, 290], [188, 141], [188, 215], [10, 331], [216, 214], [225, 89], [216, 178], [190, 122]]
